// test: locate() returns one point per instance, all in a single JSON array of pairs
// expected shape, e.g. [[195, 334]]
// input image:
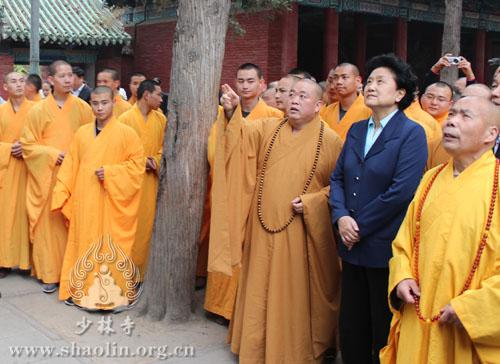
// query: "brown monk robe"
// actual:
[[221, 288], [287, 302]]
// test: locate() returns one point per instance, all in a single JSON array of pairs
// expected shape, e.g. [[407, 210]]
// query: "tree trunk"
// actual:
[[198, 52], [451, 37]]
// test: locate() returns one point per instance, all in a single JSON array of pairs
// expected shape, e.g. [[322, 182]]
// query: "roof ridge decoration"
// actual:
[[64, 22]]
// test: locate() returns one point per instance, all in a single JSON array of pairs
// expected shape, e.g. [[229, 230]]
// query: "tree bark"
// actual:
[[198, 52], [451, 37]]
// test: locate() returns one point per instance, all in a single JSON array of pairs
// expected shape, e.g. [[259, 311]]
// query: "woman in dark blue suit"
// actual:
[[377, 173]]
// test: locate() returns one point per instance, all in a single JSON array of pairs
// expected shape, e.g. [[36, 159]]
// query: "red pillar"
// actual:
[[331, 41], [6, 66], [361, 43], [401, 38], [480, 56], [289, 36]]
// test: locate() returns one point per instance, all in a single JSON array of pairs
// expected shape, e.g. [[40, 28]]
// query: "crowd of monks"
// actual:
[[78, 183]]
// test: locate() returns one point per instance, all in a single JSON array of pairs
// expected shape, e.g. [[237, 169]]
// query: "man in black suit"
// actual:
[[80, 89]]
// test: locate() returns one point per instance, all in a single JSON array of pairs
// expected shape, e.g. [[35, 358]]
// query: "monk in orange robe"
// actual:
[[135, 81], [14, 239], [350, 107], [98, 191], [221, 288], [47, 135], [149, 123], [111, 78], [424, 119], [288, 294]]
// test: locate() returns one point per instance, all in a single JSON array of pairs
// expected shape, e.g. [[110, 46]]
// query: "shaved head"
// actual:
[[477, 89], [352, 67], [315, 88], [99, 90], [55, 65], [10, 75], [471, 129]]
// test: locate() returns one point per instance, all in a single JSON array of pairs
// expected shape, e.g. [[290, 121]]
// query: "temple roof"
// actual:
[[62, 22]]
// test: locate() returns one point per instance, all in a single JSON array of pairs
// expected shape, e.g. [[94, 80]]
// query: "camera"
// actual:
[[454, 60]]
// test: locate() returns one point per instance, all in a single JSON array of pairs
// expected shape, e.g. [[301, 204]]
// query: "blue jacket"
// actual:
[[376, 190]]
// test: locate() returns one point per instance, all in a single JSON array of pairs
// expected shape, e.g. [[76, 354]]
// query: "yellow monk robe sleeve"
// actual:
[[123, 180], [61, 196], [479, 310], [40, 162], [324, 269], [236, 145], [159, 153]]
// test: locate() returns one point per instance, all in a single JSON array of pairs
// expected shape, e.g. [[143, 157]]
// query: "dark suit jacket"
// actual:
[[85, 93], [376, 190]]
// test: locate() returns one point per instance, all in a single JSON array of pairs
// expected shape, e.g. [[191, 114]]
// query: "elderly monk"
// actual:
[[444, 283], [135, 81], [14, 239], [221, 288], [98, 191], [111, 78], [437, 100], [47, 135], [350, 107], [287, 302], [149, 123]]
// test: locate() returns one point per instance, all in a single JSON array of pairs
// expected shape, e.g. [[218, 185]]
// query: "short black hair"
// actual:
[[35, 80], [443, 84], [78, 71], [115, 75], [403, 75], [251, 66], [146, 85], [55, 65], [138, 74]]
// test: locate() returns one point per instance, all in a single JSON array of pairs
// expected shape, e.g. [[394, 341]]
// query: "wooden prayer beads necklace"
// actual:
[[263, 173], [482, 244]]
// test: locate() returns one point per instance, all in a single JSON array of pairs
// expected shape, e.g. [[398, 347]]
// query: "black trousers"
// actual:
[[364, 313]]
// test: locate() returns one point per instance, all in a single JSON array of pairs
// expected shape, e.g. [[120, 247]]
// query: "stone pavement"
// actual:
[[32, 320], [36, 322]]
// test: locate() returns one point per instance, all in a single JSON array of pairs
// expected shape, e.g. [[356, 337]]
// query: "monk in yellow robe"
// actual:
[[221, 288], [135, 81], [33, 87], [424, 119], [111, 78], [14, 239], [149, 123], [288, 295], [444, 282], [350, 107], [47, 135], [437, 100], [98, 191]]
